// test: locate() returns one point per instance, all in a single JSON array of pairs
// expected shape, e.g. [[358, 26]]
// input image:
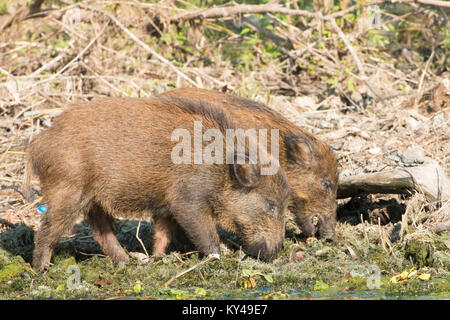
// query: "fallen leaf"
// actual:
[[425, 276], [61, 287], [103, 282], [200, 292], [137, 288], [268, 278], [412, 274], [249, 283], [404, 274], [320, 285]]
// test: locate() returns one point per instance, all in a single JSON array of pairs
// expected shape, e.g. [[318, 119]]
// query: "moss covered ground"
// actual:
[[354, 267]]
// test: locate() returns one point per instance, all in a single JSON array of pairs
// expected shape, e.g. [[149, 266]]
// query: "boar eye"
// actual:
[[326, 184], [271, 206]]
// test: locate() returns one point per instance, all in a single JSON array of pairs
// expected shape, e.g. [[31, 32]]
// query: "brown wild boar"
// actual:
[[113, 158], [310, 165]]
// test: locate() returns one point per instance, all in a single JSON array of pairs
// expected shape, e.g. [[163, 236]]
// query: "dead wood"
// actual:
[[428, 179], [231, 11], [393, 181]]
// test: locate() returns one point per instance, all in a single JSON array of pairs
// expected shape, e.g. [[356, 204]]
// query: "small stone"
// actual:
[[414, 154], [140, 256], [365, 135], [393, 155], [412, 123], [375, 151], [326, 124], [337, 145], [299, 255], [305, 102], [323, 252], [438, 121]]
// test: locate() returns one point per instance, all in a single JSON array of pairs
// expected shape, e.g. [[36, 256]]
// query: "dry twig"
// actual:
[[139, 239], [189, 270]]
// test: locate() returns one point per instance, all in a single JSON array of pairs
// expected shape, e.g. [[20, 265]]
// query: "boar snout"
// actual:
[[265, 249], [317, 224], [327, 228]]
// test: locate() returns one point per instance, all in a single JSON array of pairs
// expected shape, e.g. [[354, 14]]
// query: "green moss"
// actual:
[[11, 270], [4, 258], [68, 262], [322, 262], [420, 252], [356, 283]]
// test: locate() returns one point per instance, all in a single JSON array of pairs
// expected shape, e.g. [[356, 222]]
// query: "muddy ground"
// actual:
[[387, 246]]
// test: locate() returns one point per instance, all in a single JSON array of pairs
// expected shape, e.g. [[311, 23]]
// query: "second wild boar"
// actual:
[[310, 165]]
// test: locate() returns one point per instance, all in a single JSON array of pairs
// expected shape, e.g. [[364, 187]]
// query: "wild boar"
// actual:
[[113, 158], [310, 165]]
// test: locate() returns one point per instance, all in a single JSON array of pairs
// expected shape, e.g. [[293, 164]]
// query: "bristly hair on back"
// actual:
[[200, 107]]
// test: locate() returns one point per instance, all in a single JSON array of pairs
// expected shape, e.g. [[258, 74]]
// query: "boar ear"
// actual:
[[247, 174], [299, 149]]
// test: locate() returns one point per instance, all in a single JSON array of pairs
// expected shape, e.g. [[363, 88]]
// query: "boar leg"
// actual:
[[101, 225], [163, 233], [196, 220], [167, 231], [64, 205]]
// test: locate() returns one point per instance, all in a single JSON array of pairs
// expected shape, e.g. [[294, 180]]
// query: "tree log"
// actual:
[[427, 178], [394, 181]]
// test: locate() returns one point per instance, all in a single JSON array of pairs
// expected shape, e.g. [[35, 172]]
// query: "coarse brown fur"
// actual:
[[112, 158], [310, 165]]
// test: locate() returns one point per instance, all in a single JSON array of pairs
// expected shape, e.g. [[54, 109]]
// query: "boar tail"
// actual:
[[27, 191]]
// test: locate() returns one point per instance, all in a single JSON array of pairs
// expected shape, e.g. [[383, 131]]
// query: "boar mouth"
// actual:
[[263, 250], [261, 244]]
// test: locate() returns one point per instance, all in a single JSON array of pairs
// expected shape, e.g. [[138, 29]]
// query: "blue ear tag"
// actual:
[[42, 208]]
